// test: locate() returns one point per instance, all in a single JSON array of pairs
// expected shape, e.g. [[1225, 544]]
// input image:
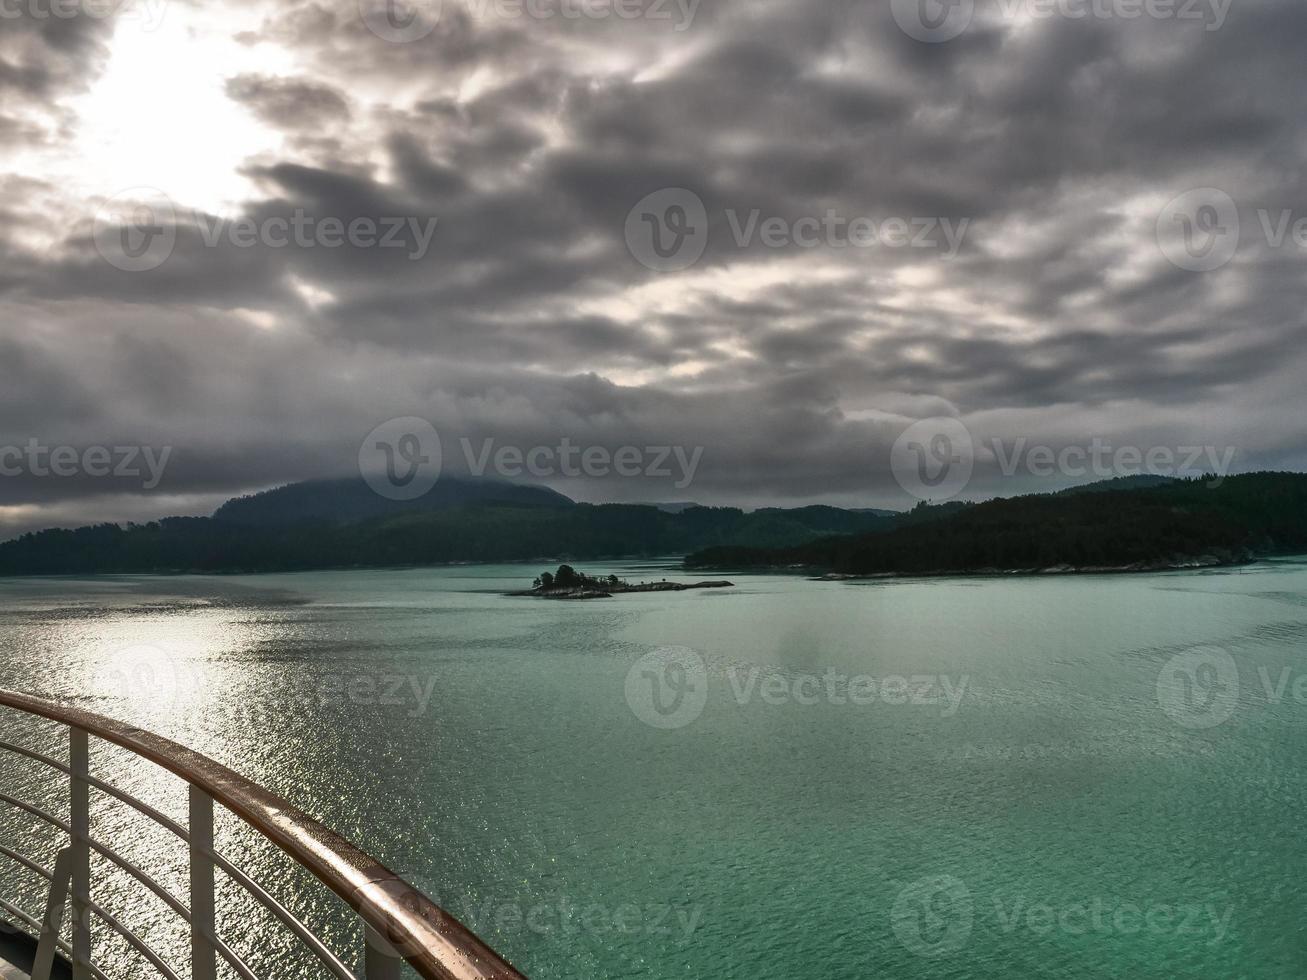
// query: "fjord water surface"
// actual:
[[1070, 780]]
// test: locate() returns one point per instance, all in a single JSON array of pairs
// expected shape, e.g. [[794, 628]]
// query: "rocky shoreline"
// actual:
[[608, 591], [568, 583], [1173, 565]]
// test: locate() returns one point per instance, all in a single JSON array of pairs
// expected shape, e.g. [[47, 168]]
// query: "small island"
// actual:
[[568, 583]]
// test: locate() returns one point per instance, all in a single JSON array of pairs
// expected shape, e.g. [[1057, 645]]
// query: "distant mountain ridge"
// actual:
[[1140, 481], [337, 524], [353, 500], [344, 523]]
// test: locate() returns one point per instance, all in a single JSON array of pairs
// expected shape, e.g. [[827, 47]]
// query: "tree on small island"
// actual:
[[568, 577]]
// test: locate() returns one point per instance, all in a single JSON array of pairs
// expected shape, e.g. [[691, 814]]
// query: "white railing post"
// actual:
[[54, 915], [204, 965], [79, 764], [379, 960]]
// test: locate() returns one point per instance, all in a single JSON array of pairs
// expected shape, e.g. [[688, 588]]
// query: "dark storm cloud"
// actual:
[[289, 103], [527, 142], [42, 60]]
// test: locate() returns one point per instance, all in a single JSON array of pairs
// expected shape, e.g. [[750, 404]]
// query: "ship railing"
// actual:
[[400, 924]]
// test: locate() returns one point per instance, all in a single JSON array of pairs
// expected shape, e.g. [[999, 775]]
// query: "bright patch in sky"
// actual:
[[160, 117]]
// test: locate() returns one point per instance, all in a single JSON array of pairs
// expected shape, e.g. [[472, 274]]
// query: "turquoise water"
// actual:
[[1059, 776]]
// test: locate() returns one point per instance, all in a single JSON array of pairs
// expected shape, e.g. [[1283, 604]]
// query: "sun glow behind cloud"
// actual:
[[159, 115]]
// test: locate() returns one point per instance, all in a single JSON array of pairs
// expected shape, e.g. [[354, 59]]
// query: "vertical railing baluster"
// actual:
[[46, 946], [379, 961], [79, 764], [204, 965]]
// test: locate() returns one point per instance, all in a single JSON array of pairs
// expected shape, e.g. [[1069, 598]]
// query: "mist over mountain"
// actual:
[[354, 500]]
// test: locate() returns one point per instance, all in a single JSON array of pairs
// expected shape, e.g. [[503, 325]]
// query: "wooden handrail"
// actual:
[[432, 941]]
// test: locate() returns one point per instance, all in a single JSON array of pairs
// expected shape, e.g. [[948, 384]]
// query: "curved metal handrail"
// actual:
[[431, 941], [284, 915]]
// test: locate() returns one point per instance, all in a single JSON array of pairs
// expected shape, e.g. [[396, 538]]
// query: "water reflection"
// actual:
[[483, 747]]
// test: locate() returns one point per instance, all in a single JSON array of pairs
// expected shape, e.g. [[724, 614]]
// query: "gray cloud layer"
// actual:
[[1057, 140]]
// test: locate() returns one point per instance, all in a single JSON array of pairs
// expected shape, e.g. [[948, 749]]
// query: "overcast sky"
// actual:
[[1055, 222]]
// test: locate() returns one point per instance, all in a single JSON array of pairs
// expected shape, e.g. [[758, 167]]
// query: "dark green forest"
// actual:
[[1176, 522]]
